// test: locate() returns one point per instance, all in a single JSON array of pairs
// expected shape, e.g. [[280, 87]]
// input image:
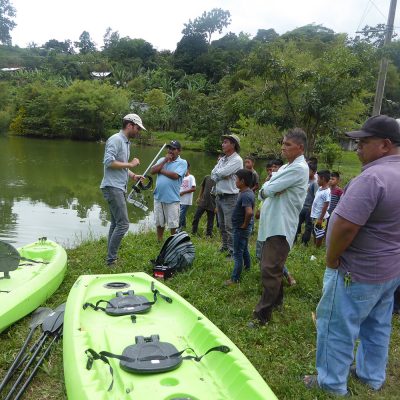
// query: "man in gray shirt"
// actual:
[[363, 265], [116, 173], [223, 174]]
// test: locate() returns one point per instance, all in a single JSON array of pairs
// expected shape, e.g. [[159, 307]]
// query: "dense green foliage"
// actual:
[[310, 77]]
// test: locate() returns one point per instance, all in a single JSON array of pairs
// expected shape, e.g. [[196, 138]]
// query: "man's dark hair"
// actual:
[[269, 164], [125, 123], [297, 135], [312, 166], [335, 174], [314, 160], [188, 164], [277, 161], [251, 158], [325, 174], [245, 175]]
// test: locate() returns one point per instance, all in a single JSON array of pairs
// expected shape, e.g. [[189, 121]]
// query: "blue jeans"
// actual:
[[182, 215], [225, 207], [344, 314], [119, 220], [241, 253]]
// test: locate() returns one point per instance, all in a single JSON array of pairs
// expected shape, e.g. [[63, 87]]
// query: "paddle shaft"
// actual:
[[15, 364], [38, 364], [21, 375]]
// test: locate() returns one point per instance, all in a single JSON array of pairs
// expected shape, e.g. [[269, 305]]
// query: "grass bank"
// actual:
[[282, 352]]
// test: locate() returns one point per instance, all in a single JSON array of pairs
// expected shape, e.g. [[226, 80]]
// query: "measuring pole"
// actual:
[[380, 86]]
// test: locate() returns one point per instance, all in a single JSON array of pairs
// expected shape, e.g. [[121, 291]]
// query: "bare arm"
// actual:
[[323, 212], [248, 212], [342, 234], [193, 189]]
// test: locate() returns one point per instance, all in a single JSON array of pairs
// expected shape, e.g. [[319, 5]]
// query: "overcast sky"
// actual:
[[160, 22]]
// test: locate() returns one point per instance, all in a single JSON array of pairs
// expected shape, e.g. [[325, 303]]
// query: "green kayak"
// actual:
[[37, 272], [111, 354]]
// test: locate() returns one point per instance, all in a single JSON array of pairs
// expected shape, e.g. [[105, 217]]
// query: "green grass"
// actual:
[[282, 352], [159, 138]]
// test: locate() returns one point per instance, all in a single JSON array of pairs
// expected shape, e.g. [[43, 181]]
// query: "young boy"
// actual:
[[336, 191], [242, 221], [319, 209], [249, 164], [188, 186]]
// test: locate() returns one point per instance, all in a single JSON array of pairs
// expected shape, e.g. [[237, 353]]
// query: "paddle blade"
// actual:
[[55, 320], [39, 315], [9, 257]]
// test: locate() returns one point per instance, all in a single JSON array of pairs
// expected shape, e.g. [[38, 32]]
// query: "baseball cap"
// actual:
[[380, 126], [135, 119], [232, 137], [174, 144]]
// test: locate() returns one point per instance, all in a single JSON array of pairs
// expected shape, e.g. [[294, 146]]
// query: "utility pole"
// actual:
[[380, 86]]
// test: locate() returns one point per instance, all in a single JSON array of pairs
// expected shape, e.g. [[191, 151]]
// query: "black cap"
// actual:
[[174, 145], [380, 126]]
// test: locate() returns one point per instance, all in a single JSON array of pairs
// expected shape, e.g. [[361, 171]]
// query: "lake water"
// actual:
[[51, 188]]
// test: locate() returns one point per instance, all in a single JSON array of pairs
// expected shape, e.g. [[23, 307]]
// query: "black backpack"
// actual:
[[176, 254]]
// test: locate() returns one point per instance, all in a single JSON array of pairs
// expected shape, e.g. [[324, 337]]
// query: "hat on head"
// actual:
[[174, 144], [380, 126], [233, 138], [135, 119]]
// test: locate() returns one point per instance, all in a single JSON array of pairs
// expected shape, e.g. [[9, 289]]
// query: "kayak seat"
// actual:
[[149, 356]]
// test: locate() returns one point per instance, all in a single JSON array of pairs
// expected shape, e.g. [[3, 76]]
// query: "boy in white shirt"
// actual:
[[187, 188], [319, 209]]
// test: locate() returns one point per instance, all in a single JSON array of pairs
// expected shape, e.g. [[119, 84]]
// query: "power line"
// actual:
[[380, 12]]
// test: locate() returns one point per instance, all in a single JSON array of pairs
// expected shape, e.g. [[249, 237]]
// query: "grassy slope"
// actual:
[[282, 352]]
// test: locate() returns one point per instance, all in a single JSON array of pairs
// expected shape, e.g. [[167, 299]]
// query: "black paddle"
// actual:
[[38, 316], [51, 326]]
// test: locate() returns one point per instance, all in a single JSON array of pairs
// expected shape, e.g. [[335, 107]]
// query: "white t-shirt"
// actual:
[[322, 196], [188, 182]]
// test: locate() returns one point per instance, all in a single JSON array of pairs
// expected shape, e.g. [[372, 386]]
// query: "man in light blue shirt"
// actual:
[[284, 196], [170, 171], [116, 174]]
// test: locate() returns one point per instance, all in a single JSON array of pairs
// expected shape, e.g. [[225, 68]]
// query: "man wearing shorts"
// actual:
[[170, 171]]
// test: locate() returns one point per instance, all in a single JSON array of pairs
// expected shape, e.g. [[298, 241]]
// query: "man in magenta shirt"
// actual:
[[363, 266]]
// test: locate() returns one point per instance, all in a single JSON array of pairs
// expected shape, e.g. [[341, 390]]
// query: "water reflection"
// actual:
[[51, 188]]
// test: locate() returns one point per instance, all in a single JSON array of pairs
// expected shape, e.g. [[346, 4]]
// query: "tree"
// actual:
[[7, 12], [266, 35], [110, 38], [374, 35], [85, 43], [64, 47], [188, 50], [209, 22]]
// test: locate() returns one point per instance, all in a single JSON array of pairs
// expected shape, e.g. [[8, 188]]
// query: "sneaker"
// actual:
[[230, 282], [229, 257], [112, 264]]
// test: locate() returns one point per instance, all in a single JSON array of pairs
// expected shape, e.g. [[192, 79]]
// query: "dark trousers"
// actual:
[[273, 257], [210, 220], [305, 218]]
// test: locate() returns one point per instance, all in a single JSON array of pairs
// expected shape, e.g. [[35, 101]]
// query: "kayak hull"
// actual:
[[217, 376], [31, 284]]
